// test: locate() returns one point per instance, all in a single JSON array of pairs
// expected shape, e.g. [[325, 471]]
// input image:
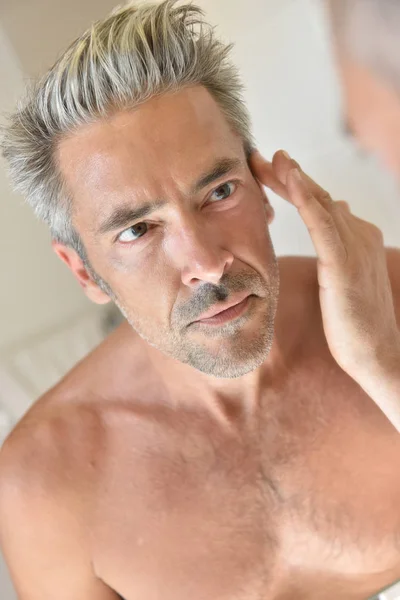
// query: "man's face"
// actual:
[[173, 220], [372, 111]]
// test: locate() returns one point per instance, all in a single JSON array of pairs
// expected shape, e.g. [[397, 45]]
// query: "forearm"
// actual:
[[382, 383]]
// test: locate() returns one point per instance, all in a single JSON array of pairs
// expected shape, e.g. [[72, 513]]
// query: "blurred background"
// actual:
[[312, 89]]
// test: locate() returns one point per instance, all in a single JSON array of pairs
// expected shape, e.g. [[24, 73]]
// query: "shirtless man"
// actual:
[[243, 456]]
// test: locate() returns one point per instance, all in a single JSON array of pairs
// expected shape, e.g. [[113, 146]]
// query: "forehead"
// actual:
[[168, 140]]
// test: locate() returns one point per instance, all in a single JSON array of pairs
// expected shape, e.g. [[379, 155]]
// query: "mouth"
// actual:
[[225, 311]]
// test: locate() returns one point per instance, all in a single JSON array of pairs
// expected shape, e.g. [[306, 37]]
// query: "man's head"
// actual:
[[134, 148], [366, 34]]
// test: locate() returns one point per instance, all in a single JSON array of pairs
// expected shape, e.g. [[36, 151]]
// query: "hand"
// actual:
[[354, 287]]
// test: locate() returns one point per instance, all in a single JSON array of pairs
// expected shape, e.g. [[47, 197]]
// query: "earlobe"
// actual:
[[75, 264], [95, 294]]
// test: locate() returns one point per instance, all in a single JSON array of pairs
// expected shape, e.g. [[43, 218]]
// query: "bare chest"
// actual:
[[312, 495]]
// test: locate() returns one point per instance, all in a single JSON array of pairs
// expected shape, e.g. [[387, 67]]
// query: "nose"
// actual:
[[201, 258]]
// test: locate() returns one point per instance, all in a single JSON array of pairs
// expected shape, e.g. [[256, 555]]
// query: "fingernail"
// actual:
[[286, 155]]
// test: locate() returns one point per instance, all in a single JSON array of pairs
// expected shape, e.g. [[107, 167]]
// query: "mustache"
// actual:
[[209, 294]]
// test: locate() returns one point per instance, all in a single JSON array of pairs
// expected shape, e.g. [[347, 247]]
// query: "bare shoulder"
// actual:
[[38, 459], [393, 264], [61, 440], [298, 276], [304, 268], [50, 452], [50, 466], [46, 500], [64, 431], [299, 265]]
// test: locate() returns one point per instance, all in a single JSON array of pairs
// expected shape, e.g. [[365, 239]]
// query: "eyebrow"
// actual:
[[221, 167], [122, 216]]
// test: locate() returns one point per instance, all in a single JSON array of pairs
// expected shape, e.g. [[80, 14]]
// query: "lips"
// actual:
[[221, 306]]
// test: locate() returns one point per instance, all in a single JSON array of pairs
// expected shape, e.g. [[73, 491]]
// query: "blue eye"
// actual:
[[129, 235], [224, 191]]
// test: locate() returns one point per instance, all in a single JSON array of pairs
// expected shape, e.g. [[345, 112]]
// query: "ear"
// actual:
[[75, 263]]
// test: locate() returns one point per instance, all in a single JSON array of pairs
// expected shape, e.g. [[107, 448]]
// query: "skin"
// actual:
[[372, 111], [179, 462], [370, 97], [195, 249]]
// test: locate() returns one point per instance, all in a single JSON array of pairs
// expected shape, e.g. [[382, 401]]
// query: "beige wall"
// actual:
[[39, 30], [36, 290]]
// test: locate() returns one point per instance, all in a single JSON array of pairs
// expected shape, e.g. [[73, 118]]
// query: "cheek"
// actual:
[[251, 226], [137, 288]]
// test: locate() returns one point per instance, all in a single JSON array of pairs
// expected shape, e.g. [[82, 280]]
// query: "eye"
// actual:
[[133, 233], [224, 191]]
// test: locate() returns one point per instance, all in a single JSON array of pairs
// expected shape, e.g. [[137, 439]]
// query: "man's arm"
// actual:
[[382, 383], [42, 537]]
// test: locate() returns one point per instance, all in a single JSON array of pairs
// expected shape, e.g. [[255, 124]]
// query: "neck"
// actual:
[[240, 398], [229, 400]]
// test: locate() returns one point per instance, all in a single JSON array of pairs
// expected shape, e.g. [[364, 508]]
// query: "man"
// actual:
[[366, 36], [238, 436]]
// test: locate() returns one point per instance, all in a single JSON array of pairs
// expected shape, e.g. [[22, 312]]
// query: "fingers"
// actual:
[[323, 228], [343, 204], [326, 225], [274, 175], [264, 172], [282, 163]]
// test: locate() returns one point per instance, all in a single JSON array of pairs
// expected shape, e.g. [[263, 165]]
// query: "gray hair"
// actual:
[[369, 31], [135, 53]]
